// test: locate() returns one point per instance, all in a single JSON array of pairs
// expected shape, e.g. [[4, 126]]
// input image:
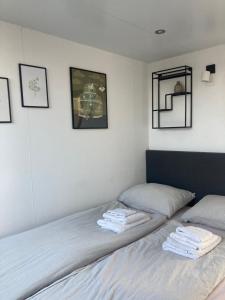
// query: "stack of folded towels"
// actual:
[[190, 241], [122, 219]]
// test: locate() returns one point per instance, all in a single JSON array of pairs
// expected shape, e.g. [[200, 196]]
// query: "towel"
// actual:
[[193, 254], [195, 234], [119, 228], [125, 220], [170, 241], [191, 244], [121, 212]]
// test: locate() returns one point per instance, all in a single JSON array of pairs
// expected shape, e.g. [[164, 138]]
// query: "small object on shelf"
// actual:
[[172, 100], [178, 88]]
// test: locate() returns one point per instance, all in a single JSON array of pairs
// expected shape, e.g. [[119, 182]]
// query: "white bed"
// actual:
[[142, 270], [34, 259]]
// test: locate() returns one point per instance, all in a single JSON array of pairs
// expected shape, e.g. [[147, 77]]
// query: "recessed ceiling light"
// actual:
[[160, 31]]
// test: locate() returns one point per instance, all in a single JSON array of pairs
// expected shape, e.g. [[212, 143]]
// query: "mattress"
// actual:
[[34, 259], [142, 270]]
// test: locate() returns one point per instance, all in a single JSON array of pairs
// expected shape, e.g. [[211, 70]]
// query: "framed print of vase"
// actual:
[[88, 99], [34, 87], [5, 108]]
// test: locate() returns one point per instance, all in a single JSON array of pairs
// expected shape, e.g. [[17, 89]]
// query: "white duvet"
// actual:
[[34, 259], [143, 271]]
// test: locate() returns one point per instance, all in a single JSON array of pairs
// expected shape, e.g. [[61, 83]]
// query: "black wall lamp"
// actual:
[[207, 74]]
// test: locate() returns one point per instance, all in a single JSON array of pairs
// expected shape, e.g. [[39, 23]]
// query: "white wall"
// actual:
[[208, 132], [48, 169]]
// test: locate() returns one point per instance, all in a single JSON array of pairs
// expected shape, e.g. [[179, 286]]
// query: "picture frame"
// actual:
[[88, 99], [5, 106], [33, 86]]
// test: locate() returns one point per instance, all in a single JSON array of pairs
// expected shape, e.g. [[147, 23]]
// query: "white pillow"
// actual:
[[208, 211], [154, 197]]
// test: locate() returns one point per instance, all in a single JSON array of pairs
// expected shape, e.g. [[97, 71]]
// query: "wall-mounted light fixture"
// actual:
[[207, 74]]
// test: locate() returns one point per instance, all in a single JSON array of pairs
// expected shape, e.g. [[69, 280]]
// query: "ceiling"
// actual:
[[125, 26]]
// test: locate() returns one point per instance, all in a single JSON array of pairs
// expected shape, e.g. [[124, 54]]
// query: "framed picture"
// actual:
[[5, 108], [88, 99], [34, 87]]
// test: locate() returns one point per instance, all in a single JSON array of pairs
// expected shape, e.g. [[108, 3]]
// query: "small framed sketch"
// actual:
[[34, 87], [88, 99], [5, 108]]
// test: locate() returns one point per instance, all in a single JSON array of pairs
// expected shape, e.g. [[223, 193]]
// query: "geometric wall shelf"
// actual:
[[171, 109]]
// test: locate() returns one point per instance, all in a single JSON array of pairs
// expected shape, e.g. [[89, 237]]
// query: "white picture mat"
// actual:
[[4, 101], [38, 95]]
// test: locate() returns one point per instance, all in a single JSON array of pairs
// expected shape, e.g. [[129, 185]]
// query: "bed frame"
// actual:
[[199, 172]]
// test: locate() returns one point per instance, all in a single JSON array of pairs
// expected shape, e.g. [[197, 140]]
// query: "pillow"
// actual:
[[209, 211], [154, 197]]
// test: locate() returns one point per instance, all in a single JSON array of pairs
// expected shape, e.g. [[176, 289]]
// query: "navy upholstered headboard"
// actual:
[[199, 172]]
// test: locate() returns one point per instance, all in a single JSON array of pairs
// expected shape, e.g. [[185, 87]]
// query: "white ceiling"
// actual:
[[125, 26]]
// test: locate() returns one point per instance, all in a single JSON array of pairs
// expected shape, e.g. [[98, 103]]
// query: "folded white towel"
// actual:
[[121, 212], [194, 254], [179, 245], [195, 234], [173, 243], [119, 228], [125, 220], [190, 243]]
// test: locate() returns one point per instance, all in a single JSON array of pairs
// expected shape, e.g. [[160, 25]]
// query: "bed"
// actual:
[[34, 259], [142, 270]]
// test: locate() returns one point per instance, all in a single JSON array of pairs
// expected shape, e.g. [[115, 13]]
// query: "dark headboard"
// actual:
[[199, 172]]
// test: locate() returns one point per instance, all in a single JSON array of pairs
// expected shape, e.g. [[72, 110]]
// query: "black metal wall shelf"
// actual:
[[179, 94], [168, 99]]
